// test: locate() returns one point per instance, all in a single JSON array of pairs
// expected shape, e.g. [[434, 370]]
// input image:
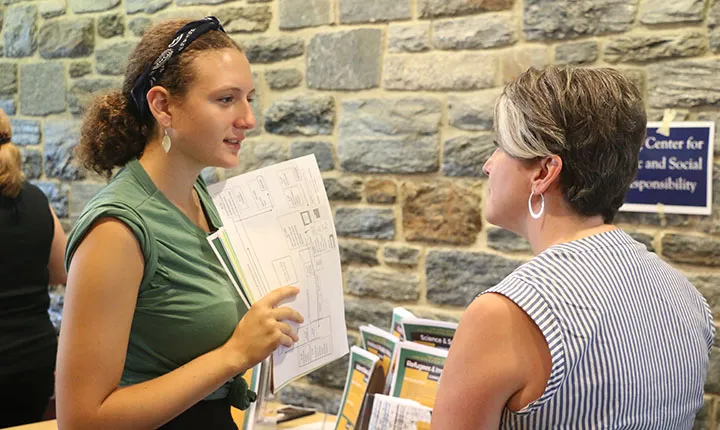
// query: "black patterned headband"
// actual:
[[152, 72]]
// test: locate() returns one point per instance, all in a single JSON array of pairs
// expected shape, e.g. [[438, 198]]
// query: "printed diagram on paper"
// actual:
[[280, 225]]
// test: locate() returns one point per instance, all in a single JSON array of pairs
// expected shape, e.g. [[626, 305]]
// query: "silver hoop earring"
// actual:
[[536, 215], [166, 142]]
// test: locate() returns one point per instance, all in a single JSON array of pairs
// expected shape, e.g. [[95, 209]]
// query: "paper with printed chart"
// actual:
[[280, 230]]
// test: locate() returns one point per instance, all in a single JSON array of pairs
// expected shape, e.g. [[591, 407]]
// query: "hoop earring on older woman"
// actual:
[[166, 142], [536, 215]]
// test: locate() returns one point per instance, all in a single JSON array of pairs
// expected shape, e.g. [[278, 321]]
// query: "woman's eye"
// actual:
[[227, 99], [251, 99]]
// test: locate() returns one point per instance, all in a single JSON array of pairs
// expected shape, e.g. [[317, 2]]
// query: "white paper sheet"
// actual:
[[280, 224]]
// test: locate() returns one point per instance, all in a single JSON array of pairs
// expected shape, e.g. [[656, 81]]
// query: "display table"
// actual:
[[312, 422]]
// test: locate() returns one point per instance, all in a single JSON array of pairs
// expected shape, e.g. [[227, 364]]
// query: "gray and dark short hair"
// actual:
[[594, 119]]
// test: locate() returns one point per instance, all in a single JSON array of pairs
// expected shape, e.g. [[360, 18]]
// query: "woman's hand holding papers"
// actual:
[[263, 329]]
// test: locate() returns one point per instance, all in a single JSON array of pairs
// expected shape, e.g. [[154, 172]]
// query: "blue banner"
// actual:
[[674, 170]]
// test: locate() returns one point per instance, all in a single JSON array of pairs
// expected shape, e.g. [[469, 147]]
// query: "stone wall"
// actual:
[[395, 99]]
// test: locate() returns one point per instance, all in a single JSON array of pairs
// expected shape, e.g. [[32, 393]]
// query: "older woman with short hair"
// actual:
[[594, 331]]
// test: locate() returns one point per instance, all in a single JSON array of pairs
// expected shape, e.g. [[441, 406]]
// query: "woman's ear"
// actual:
[[547, 174], [158, 100]]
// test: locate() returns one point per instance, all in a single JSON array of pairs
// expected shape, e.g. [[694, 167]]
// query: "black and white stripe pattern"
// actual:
[[629, 337]]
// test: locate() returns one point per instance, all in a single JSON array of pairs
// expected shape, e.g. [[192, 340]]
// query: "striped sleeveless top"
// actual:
[[629, 337]]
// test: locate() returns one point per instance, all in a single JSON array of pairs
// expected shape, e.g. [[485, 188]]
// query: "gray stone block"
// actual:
[[80, 68], [147, 6], [80, 195], [7, 105], [713, 24], [304, 13], [87, 6], [347, 60], [401, 255], [426, 216], [323, 153], [272, 49], [473, 112], [433, 314], [354, 11], [8, 78], [390, 117], [283, 79], [256, 154], [83, 91], [57, 195], [409, 37], [654, 47], [346, 188], [456, 277], [440, 71], [438, 8], [365, 223], [506, 241], [541, 20], [367, 311], [67, 37], [389, 135], [466, 155], [32, 163], [671, 11], [19, 30], [25, 131], [138, 26], [395, 286], [42, 88], [356, 251], [60, 137], [701, 251], [51, 8], [112, 59], [111, 25], [668, 83], [475, 32], [396, 154], [304, 114], [577, 52], [245, 19]]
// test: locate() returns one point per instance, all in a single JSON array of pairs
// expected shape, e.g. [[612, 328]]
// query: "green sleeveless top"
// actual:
[[186, 305]]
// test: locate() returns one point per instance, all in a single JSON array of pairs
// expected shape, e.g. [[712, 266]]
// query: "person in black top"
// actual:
[[32, 247]]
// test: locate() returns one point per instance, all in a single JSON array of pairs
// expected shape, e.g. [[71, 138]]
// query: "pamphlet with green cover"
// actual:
[[438, 334], [362, 366], [380, 343], [419, 368], [399, 313]]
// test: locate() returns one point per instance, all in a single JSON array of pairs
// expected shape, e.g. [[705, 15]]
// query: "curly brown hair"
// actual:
[[112, 131]]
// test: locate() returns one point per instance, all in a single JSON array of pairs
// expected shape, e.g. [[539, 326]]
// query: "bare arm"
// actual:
[[99, 305], [56, 264], [496, 359]]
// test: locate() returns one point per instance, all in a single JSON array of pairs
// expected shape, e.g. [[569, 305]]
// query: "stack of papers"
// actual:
[[398, 414], [279, 231]]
